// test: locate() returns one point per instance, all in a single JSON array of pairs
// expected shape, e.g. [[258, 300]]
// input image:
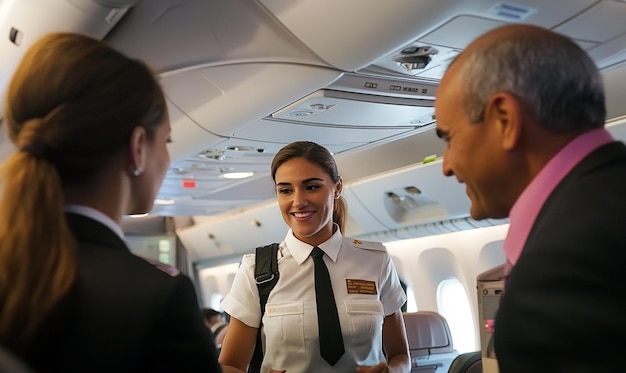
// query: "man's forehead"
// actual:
[[448, 93]]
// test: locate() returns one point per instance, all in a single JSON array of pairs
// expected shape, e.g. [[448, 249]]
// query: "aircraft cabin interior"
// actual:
[[243, 78]]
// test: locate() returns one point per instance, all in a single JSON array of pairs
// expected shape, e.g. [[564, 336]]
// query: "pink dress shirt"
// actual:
[[530, 202]]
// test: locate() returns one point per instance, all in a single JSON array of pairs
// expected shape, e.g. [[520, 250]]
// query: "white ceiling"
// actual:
[[353, 111], [243, 77]]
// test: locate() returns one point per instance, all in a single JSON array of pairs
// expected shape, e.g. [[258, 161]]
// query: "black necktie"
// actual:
[[331, 341]]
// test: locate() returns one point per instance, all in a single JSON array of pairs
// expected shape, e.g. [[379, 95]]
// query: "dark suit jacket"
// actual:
[[123, 315], [564, 306]]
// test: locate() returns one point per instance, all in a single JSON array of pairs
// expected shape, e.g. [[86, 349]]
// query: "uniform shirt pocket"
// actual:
[[283, 323], [366, 322]]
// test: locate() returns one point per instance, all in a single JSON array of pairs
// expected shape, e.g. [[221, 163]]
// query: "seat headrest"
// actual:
[[427, 331]]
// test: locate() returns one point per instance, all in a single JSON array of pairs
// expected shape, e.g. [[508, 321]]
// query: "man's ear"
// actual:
[[137, 144], [505, 110]]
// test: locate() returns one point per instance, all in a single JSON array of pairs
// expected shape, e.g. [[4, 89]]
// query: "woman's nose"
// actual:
[[299, 198]]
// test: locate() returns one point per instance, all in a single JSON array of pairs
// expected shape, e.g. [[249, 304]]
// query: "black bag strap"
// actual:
[[266, 275]]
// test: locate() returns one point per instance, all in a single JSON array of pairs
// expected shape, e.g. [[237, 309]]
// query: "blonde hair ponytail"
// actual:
[[37, 259]]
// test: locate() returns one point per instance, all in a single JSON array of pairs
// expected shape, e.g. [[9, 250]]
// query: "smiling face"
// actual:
[[473, 151], [306, 195]]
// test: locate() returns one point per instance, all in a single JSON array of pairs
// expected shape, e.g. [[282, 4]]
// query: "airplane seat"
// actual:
[[468, 362], [430, 342]]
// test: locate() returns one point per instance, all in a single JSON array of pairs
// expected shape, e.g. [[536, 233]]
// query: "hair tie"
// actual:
[[39, 150]]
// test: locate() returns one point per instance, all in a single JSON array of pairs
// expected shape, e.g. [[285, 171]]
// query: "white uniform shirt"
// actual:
[[366, 288]]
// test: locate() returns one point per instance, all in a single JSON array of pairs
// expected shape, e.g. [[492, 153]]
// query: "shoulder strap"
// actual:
[[266, 275]]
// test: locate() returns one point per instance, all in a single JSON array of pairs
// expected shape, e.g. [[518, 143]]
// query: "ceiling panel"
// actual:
[[337, 139], [223, 99], [174, 35], [601, 23], [331, 28]]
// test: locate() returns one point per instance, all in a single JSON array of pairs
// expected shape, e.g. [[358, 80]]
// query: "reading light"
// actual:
[[161, 201], [413, 190], [237, 175], [415, 58], [405, 201], [138, 215]]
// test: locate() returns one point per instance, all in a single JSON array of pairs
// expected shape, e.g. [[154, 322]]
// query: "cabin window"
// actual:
[[411, 304], [454, 305], [216, 300]]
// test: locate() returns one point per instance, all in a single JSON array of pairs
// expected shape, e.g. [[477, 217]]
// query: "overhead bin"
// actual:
[[603, 30], [418, 200], [22, 22], [225, 99], [327, 26], [25, 21], [408, 196], [186, 133], [177, 35], [344, 123], [235, 233], [617, 127], [615, 91], [334, 31], [351, 112]]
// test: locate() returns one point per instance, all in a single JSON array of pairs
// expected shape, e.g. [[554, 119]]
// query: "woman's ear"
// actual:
[[338, 188], [137, 145]]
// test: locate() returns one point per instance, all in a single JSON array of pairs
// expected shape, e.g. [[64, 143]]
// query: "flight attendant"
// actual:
[[90, 127], [366, 296]]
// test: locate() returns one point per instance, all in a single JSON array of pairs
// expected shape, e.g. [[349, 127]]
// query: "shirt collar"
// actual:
[[529, 203], [301, 250], [97, 216]]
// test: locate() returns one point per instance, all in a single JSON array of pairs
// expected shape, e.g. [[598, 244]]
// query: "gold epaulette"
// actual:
[[368, 245]]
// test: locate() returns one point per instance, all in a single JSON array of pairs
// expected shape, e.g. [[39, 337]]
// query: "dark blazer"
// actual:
[[564, 306], [123, 315]]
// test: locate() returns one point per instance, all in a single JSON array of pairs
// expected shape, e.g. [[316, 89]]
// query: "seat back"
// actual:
[[469, 362], [430, 343]]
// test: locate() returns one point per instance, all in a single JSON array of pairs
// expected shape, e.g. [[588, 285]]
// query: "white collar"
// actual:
[[301, 251], [97, 216]]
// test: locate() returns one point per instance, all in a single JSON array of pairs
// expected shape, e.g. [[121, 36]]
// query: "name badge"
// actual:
[[361, 287]]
